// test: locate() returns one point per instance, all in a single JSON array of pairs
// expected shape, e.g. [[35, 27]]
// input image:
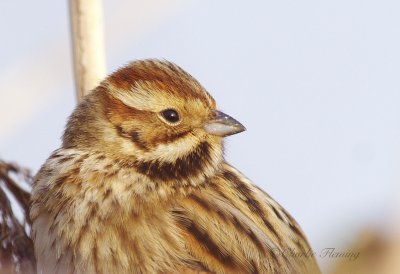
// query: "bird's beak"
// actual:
[[223, 125]]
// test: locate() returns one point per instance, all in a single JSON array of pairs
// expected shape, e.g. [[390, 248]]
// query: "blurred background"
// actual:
[[316, 83]]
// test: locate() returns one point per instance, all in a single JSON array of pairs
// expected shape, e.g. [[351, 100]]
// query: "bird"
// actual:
[[140, 184]]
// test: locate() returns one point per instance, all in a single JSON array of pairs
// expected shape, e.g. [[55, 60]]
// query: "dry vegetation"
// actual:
[[16, 249]]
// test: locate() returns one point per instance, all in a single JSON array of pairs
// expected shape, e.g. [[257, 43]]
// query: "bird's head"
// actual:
[[155, 116]]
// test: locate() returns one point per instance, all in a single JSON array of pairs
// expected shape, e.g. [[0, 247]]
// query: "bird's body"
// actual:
[[140, 185]]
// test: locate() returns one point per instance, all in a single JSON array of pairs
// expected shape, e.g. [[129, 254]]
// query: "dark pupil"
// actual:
[[170, 115]]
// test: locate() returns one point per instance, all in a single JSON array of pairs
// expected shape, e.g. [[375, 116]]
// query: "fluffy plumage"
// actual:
[[132, 190]]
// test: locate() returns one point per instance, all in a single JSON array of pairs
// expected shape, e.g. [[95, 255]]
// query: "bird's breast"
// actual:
[[92, 219]]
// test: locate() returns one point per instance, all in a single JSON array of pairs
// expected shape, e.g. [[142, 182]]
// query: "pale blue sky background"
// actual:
[[315, 82]]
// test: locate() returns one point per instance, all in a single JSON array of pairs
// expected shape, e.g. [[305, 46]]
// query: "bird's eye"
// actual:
[[170, 115]]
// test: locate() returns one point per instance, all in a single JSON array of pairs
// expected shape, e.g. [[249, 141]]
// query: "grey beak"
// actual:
[[223, 125]]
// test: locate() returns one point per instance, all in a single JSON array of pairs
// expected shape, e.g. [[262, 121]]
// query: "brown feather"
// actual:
[[129, 192]]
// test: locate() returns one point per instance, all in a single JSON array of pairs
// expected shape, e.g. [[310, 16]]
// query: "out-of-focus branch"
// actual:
[[21, 195], [88, 44], [16, 249], [377, 254]]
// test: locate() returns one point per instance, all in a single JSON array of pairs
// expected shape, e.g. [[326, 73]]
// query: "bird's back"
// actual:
[[231, 226]]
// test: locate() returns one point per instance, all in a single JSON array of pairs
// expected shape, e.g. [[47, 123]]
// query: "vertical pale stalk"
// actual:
[[88, 44]]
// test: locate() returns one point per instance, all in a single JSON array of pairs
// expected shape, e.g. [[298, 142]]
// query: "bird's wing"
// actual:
[[231, 226]]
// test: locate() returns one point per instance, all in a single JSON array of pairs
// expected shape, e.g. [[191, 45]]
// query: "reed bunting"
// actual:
[[140, 185]]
